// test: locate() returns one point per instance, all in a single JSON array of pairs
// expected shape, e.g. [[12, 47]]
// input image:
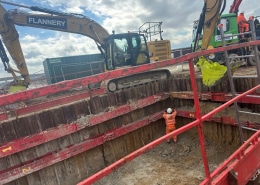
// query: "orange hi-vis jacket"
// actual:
[[241, 19], [170, 119]]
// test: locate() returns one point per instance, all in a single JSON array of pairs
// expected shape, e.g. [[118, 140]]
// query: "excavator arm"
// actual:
[[10, 39], [71, 23], [51, 20], [212, 72], [213, 11]]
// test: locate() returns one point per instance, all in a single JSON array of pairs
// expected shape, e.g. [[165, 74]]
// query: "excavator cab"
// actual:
[[130, 49], [127, 49]]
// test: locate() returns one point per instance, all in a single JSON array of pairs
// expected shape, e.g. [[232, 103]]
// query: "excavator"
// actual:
[[207, 36], [119, 50]]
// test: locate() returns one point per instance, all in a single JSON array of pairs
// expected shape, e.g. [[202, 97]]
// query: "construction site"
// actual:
[[100, 120]]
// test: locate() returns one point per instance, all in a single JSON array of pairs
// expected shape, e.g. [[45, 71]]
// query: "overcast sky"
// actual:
[[122, 16]]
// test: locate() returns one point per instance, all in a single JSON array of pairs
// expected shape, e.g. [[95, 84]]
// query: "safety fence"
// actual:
[[66, 85], [234, 165]]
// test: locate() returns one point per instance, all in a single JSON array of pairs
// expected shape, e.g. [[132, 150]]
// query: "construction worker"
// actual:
[[169, 116], [243, 25]]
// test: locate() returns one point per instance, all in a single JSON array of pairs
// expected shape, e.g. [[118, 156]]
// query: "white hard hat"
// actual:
[[169, 110]]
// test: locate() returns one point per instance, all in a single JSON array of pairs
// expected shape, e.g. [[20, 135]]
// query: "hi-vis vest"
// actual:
[[169, 118]]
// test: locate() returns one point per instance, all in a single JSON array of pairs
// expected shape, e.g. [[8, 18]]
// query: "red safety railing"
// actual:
[[82, 82], [248, 151], [62, 86]]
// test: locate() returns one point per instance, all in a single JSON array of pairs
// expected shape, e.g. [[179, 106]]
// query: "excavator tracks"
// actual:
[[138, 79]]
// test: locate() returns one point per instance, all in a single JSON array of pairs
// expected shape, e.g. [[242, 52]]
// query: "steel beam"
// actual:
[[147, 147], [241, 165], [82, 82], [221, 119], [38, 164], [217, 97], [133, 155], [67, 129], [48, 104]]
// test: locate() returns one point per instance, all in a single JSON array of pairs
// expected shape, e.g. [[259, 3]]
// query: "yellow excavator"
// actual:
[[119, 50]]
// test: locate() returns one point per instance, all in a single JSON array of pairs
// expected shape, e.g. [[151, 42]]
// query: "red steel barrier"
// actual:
[[82, 82], [54, 157], [197, 122], [153, 144], [67, 129]]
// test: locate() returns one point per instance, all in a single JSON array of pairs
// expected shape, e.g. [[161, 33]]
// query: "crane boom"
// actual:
[[234, 7]]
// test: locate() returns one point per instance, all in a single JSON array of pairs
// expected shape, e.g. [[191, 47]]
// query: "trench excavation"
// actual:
[[65, 144]]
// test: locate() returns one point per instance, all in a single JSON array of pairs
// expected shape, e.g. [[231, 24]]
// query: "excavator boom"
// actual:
[[71, 23], [211, 69], [212, 14], [10, 39], [52, 20]]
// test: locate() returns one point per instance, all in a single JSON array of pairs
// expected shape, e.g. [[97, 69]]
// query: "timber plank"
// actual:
[[81, 108], [7, 131], [4, 163], [94, 156], [33, 124], [112, 99], [95, 105], [48, 176], [104, 103], [21, 127], [69, 113], [58, 116], [46, 120], [61, 173], [81, 165], [121, 98], [71, 171], [35, 179]]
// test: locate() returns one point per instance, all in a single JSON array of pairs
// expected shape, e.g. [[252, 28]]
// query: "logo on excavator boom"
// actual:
[[48, 22]]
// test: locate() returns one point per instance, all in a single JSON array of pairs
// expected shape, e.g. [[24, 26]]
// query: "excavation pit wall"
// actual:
[[72, 169]]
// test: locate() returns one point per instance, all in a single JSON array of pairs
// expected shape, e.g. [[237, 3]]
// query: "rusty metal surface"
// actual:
[[66, 129], [50, 103], [55, 157], [216, 96], [52, 144], [243, 164]]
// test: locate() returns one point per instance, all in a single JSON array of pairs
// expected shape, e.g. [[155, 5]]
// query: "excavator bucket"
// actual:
[[16, 88], [212, 72]]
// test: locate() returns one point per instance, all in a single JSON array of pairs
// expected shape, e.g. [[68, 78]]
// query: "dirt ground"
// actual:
[[169, 164]]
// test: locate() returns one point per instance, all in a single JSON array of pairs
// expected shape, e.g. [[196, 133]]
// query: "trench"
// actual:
[[179, 163], [182, 159]]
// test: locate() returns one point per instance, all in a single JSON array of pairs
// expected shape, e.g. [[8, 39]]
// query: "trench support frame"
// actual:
[[235, 165], [66, 85]]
